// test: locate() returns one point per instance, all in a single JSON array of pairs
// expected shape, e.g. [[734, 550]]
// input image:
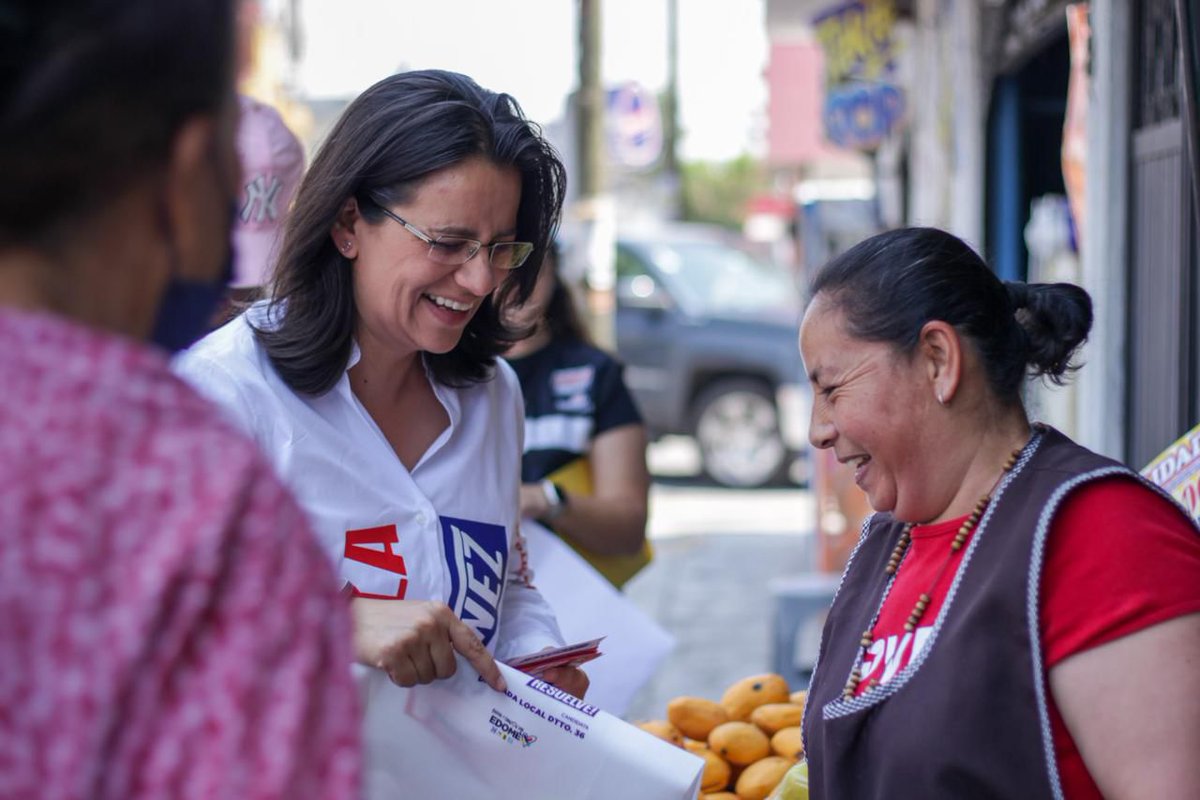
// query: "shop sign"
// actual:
[[863, 101], [633, 126]]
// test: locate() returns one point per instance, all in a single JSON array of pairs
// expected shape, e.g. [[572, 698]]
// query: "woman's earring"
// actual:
[[346, 247], [941, 399]]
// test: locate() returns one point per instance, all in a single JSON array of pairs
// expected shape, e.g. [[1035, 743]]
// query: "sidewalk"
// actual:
[[715, 551]]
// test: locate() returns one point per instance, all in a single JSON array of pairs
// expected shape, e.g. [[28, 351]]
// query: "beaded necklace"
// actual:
[[923, 601]]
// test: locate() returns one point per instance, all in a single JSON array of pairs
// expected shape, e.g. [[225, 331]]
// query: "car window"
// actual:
[[715, 278], [628, 265]]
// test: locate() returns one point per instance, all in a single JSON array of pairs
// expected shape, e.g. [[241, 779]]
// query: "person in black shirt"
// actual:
[[584, 468]]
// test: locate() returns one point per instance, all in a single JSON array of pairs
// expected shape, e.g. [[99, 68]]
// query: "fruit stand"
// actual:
[[749, 739]]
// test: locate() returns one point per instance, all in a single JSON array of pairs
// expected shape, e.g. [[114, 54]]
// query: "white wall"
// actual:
[[947, 100], [1101, 382]]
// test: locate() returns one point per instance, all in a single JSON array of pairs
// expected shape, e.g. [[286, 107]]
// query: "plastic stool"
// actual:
[[798, 608]]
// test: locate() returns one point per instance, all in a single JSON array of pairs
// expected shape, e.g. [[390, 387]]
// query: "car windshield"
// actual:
[[713, 278]]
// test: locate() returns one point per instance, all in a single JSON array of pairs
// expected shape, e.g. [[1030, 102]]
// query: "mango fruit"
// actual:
[[760, 778], [663, 730], [739, 743], [774, 717], [716, 771], [744, 696], [788, 743], [695, 717]]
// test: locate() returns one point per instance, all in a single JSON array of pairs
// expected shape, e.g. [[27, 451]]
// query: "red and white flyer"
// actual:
[[571, 655]]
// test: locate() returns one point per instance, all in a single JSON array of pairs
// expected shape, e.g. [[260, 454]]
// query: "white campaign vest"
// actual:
[[446, 531]]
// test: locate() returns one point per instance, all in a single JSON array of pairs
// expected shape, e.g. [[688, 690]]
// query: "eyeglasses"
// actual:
[[455, 250]]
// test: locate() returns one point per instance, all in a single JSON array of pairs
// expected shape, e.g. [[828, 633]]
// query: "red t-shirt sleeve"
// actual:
[[1119, 558]]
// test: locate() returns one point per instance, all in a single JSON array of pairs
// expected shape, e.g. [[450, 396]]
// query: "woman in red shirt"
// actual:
[[1022, 617]]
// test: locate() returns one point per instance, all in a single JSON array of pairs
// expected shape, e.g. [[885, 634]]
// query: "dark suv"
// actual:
[[708, 335]]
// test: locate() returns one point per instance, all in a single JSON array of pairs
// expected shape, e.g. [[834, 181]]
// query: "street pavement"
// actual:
[[715, 550]]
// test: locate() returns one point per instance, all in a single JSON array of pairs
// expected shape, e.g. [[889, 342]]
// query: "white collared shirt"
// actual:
[[447, 530]]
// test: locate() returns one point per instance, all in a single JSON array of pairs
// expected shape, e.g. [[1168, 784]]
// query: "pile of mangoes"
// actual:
[[748, 740]]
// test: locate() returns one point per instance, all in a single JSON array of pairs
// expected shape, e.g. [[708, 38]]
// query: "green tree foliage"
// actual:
[[717, 192]]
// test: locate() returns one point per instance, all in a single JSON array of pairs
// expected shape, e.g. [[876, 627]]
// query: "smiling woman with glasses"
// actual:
[[370, 375]]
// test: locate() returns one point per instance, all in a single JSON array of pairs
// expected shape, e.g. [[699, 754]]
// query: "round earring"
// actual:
[[345, 247]]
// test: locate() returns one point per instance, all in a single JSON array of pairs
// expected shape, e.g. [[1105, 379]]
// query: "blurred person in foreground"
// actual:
[[168, 625], [584, 468], [370, 376], [1021, 618]]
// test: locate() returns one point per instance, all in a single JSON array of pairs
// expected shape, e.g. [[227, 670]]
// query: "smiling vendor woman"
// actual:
[[1021, 617], [370, 377]]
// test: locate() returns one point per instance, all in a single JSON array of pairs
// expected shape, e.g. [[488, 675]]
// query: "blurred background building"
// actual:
[[1052, 135], [1057, 137]]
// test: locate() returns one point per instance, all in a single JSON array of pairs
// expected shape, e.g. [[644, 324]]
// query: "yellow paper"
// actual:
[[575, 478]]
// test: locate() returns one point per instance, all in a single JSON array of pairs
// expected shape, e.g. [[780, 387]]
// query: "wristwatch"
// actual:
[[556, 499]]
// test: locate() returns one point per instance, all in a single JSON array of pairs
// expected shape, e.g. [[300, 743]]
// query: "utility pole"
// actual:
[[594, 208], [671, 111], [589, 129]]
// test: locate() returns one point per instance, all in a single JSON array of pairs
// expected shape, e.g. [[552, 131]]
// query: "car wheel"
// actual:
[[737, 428]]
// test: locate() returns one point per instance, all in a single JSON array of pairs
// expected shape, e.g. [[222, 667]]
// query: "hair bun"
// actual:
[[1054, 320], [1018, 294]]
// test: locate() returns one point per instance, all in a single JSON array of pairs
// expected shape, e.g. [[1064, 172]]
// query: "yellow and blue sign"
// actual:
[[863, 103]]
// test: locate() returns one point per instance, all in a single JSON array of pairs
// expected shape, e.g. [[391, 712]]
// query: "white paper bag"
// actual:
[[459, 738], [587, 606]]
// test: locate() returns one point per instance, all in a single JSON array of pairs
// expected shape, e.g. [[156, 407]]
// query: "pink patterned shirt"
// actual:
[[168, 626]]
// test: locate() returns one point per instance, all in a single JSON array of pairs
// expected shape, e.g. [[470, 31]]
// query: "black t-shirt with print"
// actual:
[[573, 392]]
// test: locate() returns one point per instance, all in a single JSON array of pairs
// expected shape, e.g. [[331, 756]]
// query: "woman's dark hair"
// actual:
[[890, 285], [395, 134], [562, 315], [92, 93]]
